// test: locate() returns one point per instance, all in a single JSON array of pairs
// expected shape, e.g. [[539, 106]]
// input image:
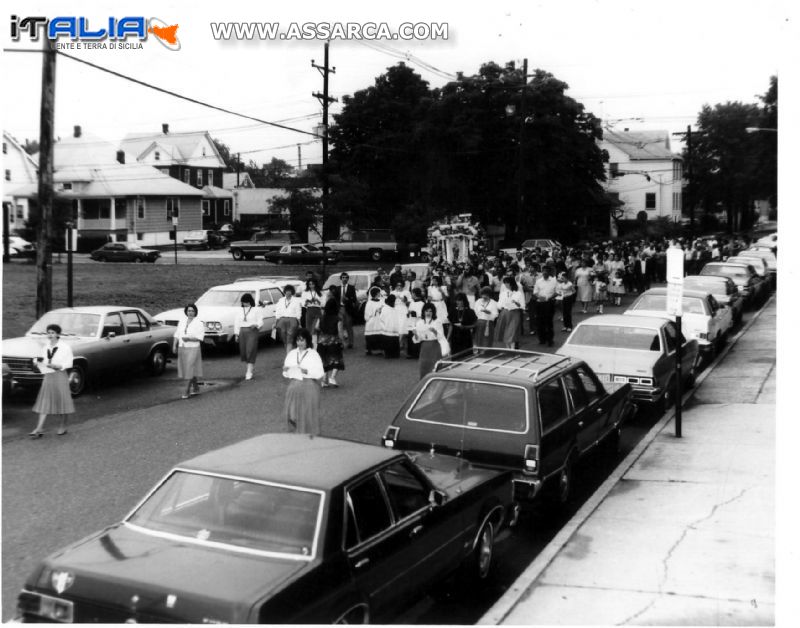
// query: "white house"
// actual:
[[229, 180], [644, 174], [20, 172]]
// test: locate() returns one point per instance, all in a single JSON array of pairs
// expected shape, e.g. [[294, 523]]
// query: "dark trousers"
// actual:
[[532, 313], [544, 320], [566, 310], [412, 348]]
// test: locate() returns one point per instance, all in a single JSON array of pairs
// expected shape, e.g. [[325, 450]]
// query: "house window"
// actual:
[[8, 175], [66, 186], [186, 174], [206, 208], [173, 207], [613, 169], [677, 170], [20, 212], [676, 201], [139, 235], [140, 208], [650, 200], [96, 208], [120, 208], [210, 174], [199, 177], [158, 156], [226, 208]]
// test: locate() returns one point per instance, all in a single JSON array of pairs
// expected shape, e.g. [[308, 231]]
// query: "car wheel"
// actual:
[[138, 259], [483, 553], [376, 255], [357, 615], [102, 258], [157, 361], [563, 488], [667, 399], [237, 254], [76, 376], [279, 261]]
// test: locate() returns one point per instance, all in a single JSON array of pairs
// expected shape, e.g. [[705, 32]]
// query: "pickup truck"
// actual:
[[535, 414], [262, 242], [374, 244]]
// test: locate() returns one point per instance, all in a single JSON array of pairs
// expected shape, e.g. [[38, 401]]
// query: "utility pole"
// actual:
[[325, 99], [299, 159], [238, 167], [690, 178], [44, 271]]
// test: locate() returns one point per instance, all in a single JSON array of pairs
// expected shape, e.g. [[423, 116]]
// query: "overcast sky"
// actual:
[[655, 61]]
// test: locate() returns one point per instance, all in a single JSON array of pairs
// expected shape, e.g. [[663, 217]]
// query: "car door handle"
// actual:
[[415, 531], [362, 563], [600, 410], [580, 423]]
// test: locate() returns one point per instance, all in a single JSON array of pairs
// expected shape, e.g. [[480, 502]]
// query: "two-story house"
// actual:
[[191, 158], [643, 174], [20, 173]]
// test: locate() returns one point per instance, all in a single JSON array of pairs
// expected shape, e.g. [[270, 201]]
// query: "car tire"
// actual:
[[279, 261], [667, 399], [138, 259], [358, 614], [479, 565], [237, 254], [562, 490], [77, 379], [102, 258], [376, 255], [157, 361]]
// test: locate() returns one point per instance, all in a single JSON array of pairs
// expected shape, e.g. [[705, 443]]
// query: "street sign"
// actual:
[[675, 265], [675, 299], [174, 221]]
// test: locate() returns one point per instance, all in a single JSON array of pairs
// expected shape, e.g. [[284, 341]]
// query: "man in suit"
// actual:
[[345, 295]]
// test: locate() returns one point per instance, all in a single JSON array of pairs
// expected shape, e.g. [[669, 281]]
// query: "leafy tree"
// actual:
[[276, 171], [225, 153]]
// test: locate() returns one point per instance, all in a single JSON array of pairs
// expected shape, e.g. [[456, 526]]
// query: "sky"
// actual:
[[637, 64]]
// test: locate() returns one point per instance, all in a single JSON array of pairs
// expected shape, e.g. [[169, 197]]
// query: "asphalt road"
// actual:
[[126, 434]]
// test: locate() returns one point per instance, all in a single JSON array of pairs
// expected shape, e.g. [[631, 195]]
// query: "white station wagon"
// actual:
[[703, 318]]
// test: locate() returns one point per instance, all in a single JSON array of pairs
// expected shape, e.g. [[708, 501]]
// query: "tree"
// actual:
[[275, 172], [225, 152]]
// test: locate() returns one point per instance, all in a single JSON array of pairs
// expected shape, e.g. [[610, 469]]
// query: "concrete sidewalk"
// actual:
[[683, 532]]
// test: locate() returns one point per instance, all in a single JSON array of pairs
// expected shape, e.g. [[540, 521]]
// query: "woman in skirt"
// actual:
[[312, 305], [54, 396], [188, 338], [303, 368], [330, 342], [486, 310], [427, 332], [509, 325], [246, 329], [288, 312]]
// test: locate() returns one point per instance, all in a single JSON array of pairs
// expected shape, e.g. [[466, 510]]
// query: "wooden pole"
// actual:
[[44, 271]]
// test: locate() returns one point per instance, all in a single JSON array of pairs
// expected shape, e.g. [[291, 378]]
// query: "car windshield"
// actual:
[[658, 302], [249, 515], [638, 338], [223, 297], [472, 404], [71, 323], [728, 270]]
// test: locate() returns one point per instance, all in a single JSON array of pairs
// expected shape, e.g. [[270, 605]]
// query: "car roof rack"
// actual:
[[530, 364]]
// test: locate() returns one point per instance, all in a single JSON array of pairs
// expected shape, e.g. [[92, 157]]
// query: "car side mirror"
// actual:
[[436, 498]]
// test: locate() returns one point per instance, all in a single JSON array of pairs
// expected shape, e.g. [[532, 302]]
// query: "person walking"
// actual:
[[600, 291], [544, 291], [246, 328], [462, 325], [583, 284], [486, 312], [373, 327], [437, 294], [616, 286], [311, 301], [303, 368], [330, 342], [414, 315], [288, 311], [390, 326], [427, 333], [187, 339], [565, 293], [509, 325], [54, 395], [348, 305]]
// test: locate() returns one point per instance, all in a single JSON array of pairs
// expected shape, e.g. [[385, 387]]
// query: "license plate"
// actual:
[[604, 378]]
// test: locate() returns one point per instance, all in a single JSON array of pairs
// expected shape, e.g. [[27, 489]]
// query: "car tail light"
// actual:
[[390, 437], [531, 459]]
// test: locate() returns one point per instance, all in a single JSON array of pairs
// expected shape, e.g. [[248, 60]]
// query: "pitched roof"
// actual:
[[31, 165], [121, 180], [180, 147], [86, 150], [212, 191], [641, 144]]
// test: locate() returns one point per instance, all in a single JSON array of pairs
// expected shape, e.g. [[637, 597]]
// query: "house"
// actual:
[[253, 207], [190, 157], [109, 199], [20, 172], [643, 174], [235, 180]]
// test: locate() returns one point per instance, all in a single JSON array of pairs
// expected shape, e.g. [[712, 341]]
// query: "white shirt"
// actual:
[[486, 309], [248, 317], [288, 308], [61, 354], [312, 299], [390, 321], [545, 288], [432, 330], [307, 359], [511, 299], [196, 329]]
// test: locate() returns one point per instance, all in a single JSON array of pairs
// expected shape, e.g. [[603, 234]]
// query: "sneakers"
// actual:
[[332, 382], [248, 376]]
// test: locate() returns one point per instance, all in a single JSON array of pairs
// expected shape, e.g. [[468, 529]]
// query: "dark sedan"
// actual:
[[753, 288], [124, 252], [280, 528], [301, 254]]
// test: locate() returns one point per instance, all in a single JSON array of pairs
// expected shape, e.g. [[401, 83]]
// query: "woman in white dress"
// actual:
[[304, 370], [437, 294], [427, 333], [187, 340], [583, 285], [402, 299], [54, 395]]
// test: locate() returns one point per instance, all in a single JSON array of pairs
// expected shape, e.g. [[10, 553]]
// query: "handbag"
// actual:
[[444, 346]]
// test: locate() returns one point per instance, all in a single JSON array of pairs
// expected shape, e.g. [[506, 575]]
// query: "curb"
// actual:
[[503, 607]]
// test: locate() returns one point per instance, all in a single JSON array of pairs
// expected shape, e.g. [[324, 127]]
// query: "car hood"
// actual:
[[172, 580], [31, 346], [613, 360]]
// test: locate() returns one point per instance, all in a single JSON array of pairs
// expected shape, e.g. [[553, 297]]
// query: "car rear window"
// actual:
[[658, 302], [476, 405], [638, 338]]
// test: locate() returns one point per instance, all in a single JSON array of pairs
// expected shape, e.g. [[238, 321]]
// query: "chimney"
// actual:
[[76, 131], [165, 129], [121, 156]]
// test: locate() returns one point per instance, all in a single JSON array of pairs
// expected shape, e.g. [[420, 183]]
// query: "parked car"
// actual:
[[640, 351], [9, 383], [19, 247], [262, 242], [301, 254], [281, 280], [104, 339], [124, 252], [770, 241], [374, 244], [279, 529], [753, 288], [218, 306], [703, 318], [205, 239], [724, 291], [534, 414], [758, 258]]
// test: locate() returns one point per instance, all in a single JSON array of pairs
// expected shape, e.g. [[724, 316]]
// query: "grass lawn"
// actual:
[[152, 287]]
